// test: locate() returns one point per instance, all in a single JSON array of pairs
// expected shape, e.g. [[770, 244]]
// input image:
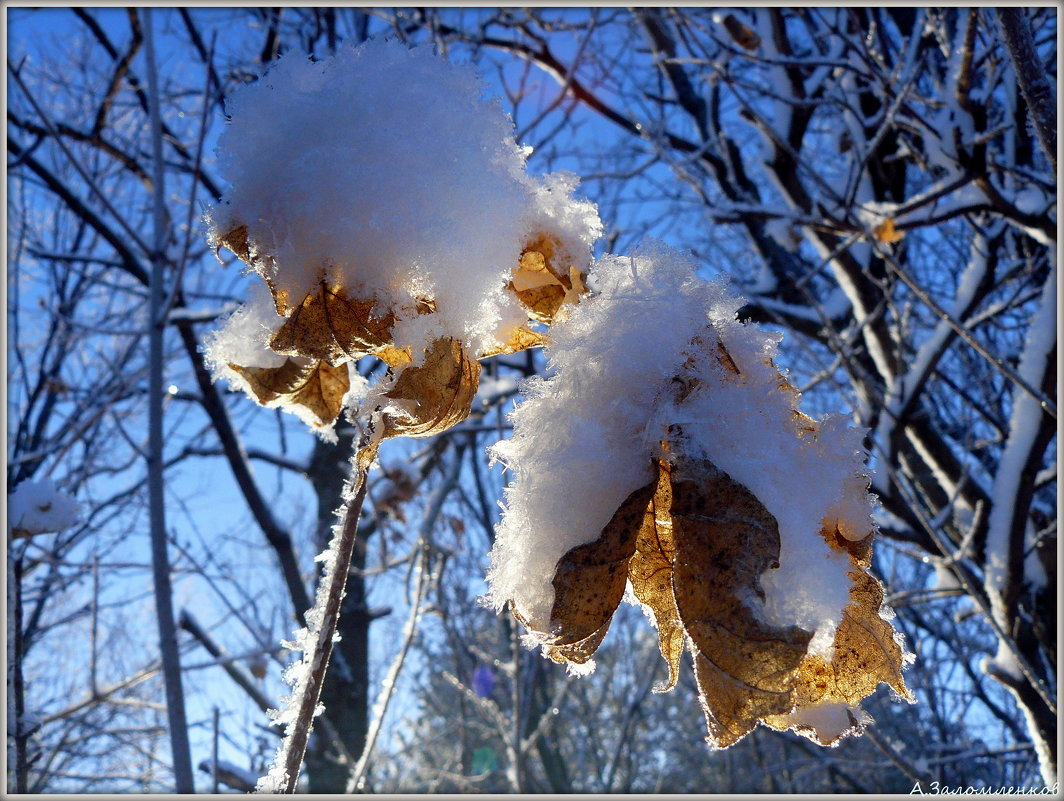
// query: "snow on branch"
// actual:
[[40, 507]]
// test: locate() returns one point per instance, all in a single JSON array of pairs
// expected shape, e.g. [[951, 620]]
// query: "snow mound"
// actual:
[[39, 507], [585, 438], [385, 170]]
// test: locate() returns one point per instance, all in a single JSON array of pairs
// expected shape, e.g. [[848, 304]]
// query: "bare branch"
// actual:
[[1031, 75]]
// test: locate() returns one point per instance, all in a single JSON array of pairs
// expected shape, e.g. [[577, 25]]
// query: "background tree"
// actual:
[[870, 177]]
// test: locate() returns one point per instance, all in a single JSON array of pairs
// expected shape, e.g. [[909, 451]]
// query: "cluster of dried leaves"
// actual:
[[326, 330], [693, 544]]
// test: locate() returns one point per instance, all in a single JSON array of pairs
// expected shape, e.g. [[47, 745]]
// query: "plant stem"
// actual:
[[298, 734]]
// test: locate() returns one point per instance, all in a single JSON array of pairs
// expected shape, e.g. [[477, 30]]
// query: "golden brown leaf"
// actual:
[[540, 281], [834, 533], [236, 240], [865, 653], [589, 583], [575, 653], [542, 301], [885, 232], [331, 327], [726, 359], [703, 543], [393, 356], [439, 392], [650, 571], [725, 539], [316, 386], [695, 544], [520, 338], [281, 298], [589, 580], [364, 456], [579, 652]]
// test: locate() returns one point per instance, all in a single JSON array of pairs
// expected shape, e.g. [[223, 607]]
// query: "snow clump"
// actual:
[[384, 170], [40, 507], [584, 439]]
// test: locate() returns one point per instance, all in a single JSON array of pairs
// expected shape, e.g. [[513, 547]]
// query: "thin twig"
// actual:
[[295, 744], [904, 765], [235, 671], [126, 227], [965, 576], [103, 695], [357, 780], [175, 291]]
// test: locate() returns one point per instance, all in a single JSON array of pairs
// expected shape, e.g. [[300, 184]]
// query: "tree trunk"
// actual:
[[175, 699]]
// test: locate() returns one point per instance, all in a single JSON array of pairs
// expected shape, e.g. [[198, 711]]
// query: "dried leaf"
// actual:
[[519, 339], [695, 562], [316, 386], [364, 456], [725, 539], [694, 544], [236, 240], [575, 653], [579, 652], [859, 549], [743, 35], [331, 327], [589, 580], [439, 392], [542, 301], [393, 356], [541, 283], [865, 654], [650, 571], [726, 360], [884, 232], [399, 490], [589, 583]]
